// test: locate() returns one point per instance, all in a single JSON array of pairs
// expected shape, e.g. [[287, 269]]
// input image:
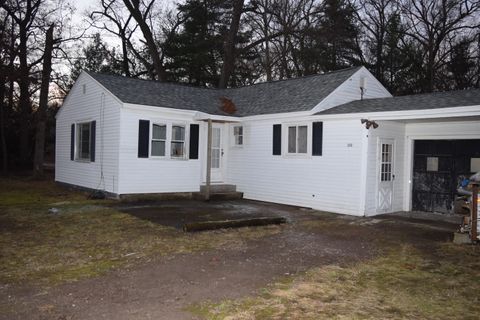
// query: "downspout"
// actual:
[[209, 160]]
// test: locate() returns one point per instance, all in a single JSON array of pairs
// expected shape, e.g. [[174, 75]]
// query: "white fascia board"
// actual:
[[275, 116], [196, 115], [407, 114]]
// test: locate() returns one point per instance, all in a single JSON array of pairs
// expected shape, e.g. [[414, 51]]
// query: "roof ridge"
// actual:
[[300, 77], [218, 89], [182, 84]]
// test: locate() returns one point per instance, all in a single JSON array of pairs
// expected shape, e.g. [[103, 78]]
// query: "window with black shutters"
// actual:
[[83, 138]]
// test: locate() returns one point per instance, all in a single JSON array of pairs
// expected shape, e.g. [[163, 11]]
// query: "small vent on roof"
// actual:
[[227, 105]]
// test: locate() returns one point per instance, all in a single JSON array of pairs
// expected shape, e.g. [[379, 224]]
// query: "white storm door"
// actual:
[[385, 177], [217, 153]]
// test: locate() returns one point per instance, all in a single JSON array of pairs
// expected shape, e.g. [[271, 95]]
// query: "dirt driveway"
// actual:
[[163, 287]]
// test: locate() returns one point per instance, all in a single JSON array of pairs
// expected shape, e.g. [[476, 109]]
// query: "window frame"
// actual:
[[78, 141], [168, 139], [184, 126], [158, 123], [234, 136], [286, 136]]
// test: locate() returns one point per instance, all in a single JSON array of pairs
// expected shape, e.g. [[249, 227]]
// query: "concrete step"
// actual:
[[219, 188], [219, 195]]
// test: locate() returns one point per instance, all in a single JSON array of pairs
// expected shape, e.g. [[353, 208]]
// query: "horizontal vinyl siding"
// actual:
[[80, 107], [387, 130], [329, 182], [154, 175], [350, 91]]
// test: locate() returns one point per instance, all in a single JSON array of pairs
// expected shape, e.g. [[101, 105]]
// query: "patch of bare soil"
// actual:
[[163, 287]]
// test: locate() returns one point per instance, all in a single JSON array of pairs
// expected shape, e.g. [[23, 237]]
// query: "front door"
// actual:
[[385, 175], [217, 153]]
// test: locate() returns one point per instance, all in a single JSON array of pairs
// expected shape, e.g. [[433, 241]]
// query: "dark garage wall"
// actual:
[[434, 191]]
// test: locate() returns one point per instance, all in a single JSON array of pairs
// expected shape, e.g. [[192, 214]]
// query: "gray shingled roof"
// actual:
[[435, 100], [299, 94]]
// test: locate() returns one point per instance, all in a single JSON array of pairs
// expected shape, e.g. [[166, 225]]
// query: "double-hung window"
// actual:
[[159, 138], [297, 139], [238, 135], [177, 147], [83, 141]]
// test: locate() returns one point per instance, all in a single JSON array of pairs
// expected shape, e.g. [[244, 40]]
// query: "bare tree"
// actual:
[[433, 24], [24, 14], [43, 104], [141, 11], [113, 15]]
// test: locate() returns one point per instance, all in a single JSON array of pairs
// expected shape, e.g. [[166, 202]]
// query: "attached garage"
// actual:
[[438, 167]]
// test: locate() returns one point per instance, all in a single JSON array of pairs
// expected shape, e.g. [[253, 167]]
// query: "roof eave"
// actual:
[[452, 112]]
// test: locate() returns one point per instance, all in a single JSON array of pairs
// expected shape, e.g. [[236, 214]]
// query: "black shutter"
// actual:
[[317, 138], [72, 142], [277, 139], [194, 133], [143, 138], [93, 129]]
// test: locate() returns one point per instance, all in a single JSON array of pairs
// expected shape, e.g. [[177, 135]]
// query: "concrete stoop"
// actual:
[[219, 192]]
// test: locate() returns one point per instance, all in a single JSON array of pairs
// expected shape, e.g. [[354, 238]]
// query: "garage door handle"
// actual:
[[393, 177]]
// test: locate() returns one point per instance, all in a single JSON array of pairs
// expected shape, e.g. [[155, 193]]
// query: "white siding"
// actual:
[[154, 175], [350, 90], [389, 130], [330, 182], [80, 107]]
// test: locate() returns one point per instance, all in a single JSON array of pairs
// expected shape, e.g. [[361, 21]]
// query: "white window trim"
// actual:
[[186, 134], [168, 140], [77, 142], [234, 141], [285, 152], [158, 123]]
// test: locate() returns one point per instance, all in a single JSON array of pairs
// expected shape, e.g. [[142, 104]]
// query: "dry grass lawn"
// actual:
[[86, 238], [403, 283]]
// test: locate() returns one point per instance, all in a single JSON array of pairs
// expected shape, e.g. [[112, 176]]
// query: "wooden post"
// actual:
[[474, 215], [209, 160]]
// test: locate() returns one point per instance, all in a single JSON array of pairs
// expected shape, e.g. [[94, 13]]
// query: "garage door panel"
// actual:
[[438, 167]]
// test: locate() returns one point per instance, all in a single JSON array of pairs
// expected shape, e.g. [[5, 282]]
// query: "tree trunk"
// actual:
[[43, 104], [134, 7], [126, 68], [229, 45], [25, 108], [3, 82]]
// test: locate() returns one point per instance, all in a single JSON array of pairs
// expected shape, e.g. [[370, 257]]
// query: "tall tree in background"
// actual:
[[194, 53], [141, 12], [41, 113], [24, 14], [338, 35], [433, 24], [97, 57]]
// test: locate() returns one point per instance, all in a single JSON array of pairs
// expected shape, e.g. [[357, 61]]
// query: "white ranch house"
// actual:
[[302, 141]]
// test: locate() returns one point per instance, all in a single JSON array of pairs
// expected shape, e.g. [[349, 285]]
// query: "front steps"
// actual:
[[219, 192]]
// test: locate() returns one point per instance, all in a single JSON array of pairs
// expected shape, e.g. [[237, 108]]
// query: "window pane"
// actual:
[[238, 130], [178, 133], [215, 158], [158, 148], [84, 141], [292, 139], [302, 139], [159, 132], [177, 149], [239, 140], [216, 137]]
